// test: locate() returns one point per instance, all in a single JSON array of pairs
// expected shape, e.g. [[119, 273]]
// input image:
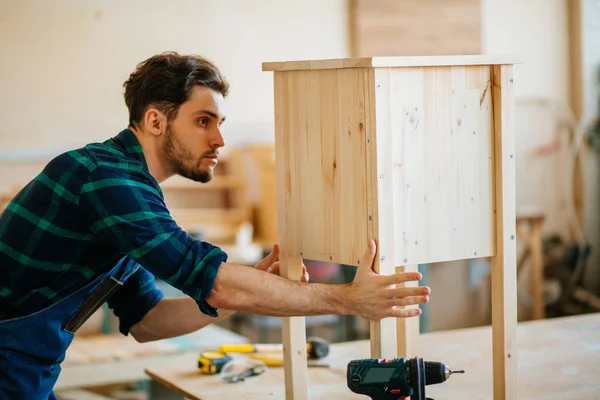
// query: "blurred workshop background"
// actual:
[[63, 63]]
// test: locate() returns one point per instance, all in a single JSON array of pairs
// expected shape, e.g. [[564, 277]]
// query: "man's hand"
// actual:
[[271, 264], [374, 296]]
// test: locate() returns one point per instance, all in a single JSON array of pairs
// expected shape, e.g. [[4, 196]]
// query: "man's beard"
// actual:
[[182, 160]]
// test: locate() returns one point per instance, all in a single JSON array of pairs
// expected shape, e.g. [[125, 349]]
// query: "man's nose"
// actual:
[[217, 140]]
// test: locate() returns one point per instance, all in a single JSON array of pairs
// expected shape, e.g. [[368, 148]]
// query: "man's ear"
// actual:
[[155, 121]]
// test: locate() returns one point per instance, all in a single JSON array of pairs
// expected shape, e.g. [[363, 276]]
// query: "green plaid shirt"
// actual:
[[89, 210]]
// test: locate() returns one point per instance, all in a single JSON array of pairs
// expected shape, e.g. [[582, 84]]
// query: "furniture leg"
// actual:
[[294, 340], [383, 334], [408, 328], [537, 270], [504, 276]]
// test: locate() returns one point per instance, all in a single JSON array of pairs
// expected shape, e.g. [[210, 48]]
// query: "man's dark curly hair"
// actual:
[[166, 80]]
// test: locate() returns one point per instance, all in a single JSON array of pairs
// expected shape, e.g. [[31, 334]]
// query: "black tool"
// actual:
[[397, 378]]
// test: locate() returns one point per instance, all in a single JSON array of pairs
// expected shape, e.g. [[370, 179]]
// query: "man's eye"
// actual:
[[203, 121]]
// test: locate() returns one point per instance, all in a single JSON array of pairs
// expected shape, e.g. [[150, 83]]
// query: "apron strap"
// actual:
[[93, 303]]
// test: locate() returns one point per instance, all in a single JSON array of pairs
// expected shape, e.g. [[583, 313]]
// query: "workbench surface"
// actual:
[[111, 359], [558, 359]]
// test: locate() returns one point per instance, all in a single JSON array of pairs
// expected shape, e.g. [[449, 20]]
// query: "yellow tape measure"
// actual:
[[211, 362]]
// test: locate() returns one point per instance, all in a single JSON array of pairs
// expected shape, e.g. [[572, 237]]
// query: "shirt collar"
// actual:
[[129, 142]]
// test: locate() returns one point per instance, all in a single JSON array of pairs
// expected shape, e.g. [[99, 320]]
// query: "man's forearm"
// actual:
[[246, 289], [174, 316]]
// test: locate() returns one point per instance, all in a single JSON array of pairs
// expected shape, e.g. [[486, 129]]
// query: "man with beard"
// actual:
[[93, 227]]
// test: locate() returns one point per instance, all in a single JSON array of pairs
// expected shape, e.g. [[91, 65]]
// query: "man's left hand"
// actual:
[[271, 264]]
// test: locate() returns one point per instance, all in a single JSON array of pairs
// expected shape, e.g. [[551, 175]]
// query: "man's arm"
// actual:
[[242, 288], [172, 317], [177, 316], [370, 295]]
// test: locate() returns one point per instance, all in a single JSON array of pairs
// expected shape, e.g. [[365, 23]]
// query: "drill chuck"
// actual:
[[437, 372]]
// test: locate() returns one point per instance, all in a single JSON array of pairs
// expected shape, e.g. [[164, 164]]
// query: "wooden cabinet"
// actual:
[[415, 152]]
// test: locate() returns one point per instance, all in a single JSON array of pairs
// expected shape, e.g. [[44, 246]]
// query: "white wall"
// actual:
[[64, 61], [538, 30]]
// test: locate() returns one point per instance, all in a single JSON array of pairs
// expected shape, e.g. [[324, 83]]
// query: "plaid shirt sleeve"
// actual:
[[126, 212], [138, 295]]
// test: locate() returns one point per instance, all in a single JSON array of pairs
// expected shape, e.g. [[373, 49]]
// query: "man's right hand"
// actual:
[[373, 296]]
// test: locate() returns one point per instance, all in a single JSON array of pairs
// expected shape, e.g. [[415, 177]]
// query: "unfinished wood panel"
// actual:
[[504, 274], [389, 62], [415, 27], [442, 163], [320, 122], [380, 191], [293, 328]]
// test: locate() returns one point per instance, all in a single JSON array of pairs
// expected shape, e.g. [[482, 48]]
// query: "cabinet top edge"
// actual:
[[390, 62]]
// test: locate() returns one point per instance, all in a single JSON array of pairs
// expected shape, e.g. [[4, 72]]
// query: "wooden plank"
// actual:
[[537, 269], [293, 328], [408, 338], [294, 340], [442, 163], [565, 349], [575, 58], [320, 128], [112, 359], [504, 274], [380, 195], [414, 27], [391, 62]]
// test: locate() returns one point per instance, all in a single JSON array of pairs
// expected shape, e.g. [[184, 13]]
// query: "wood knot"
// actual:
[[360, 126], [334, 164]]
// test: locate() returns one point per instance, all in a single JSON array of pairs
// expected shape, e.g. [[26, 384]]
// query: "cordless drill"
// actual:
[[394, 379]]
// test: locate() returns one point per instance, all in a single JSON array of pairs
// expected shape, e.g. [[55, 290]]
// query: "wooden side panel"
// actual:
[[293, 328], [504, 263], [320, 121], [441, 154]]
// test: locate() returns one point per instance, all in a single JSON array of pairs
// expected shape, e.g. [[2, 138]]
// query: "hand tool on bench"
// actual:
[[316, 348]]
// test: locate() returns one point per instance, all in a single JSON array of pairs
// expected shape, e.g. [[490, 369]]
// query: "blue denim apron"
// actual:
[[32, 347]]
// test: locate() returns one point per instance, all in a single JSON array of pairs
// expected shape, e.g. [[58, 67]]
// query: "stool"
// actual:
[[532, 238]]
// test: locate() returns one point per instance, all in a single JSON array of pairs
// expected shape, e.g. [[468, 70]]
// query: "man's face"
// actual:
[[192, 139]]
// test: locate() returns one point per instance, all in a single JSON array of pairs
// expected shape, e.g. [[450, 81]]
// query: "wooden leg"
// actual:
[[504, 276], [408, 328], [537, 270], [294, 341], [383, 336]]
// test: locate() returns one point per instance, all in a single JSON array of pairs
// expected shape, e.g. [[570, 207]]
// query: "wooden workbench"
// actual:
[[559, 359], [111, 359]]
